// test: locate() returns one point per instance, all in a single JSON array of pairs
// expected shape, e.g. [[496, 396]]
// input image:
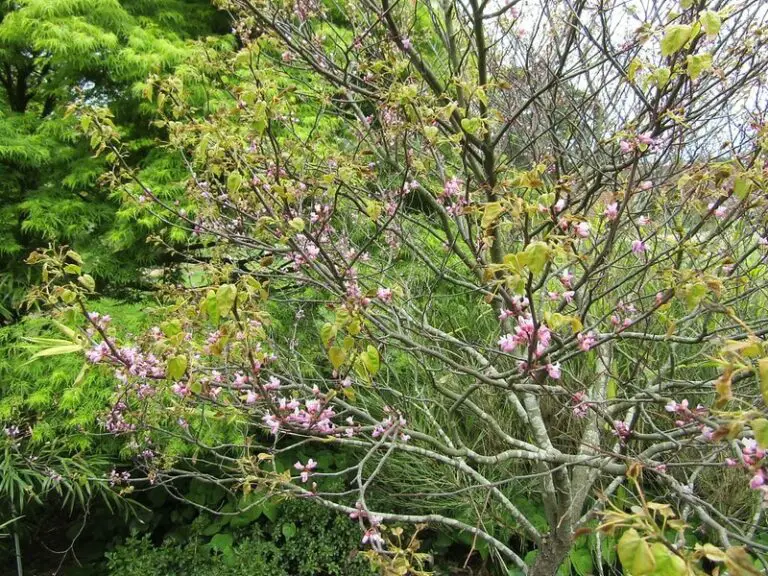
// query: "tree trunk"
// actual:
[[552, 552]]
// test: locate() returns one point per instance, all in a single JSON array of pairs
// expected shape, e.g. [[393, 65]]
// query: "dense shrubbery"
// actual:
[[302, 540]]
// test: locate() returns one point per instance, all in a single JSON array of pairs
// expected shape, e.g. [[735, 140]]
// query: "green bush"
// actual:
[[305, 540]]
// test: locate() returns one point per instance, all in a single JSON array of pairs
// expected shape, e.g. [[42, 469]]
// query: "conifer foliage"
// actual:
[[55, 52]]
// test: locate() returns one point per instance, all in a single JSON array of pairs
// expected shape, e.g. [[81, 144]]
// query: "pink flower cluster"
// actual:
[[684, 414], [640, 142], [307, 251], [393, 422], [581, 404], [311, 416], [753, 458], [118, 478], [586, 341], [451, 196], [525, 333]]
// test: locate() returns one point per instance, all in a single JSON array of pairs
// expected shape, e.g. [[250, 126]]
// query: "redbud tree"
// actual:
[[512, 255]]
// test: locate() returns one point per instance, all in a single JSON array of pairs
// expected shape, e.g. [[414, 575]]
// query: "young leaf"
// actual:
[[337, 356], [698, 63], [675, 38], [371, 360], [667, 563], [225, 298], [760, 429], [635, 554], [176, 367], [710, 22]]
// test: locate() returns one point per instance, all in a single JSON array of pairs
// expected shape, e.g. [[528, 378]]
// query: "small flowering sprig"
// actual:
[[305, 469]]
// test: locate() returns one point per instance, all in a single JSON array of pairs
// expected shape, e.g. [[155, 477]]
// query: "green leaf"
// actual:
[[327, 333], [68, 348], [581, 560], [635, 554], [536, 256], [675, 38], [633, 68], [234, 181], [742, 187], [760, 429], [661, 76], [289, 530], [710, 22], [762, 370], [222, 542], [176, 367], [471, 125], [296, 224], [667, 563], [225, 298], [491, 213], [87, 281], [698, 63], [337, 356], [371, 360]]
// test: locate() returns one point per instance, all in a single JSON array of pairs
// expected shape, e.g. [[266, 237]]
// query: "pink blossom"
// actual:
[[554, 372], [568, 296], [507, 343], [180, 389], [580, 405], [621, 430], [638, 247], [559, 205], [611, 211], [643, 220], [272, 423], [305, 469], [626, 147], [566, 278], [757, 480], [384, 294], [731, 463], [251, 397], [645, 185], [582, 229], [373, 537], [586, 341], [648, 140], [720, 211], [750, 445], [407, 43], [452, 187], [504, 314], [272, 384]]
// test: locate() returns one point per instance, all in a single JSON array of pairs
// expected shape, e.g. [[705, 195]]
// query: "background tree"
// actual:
[[52, 53]]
